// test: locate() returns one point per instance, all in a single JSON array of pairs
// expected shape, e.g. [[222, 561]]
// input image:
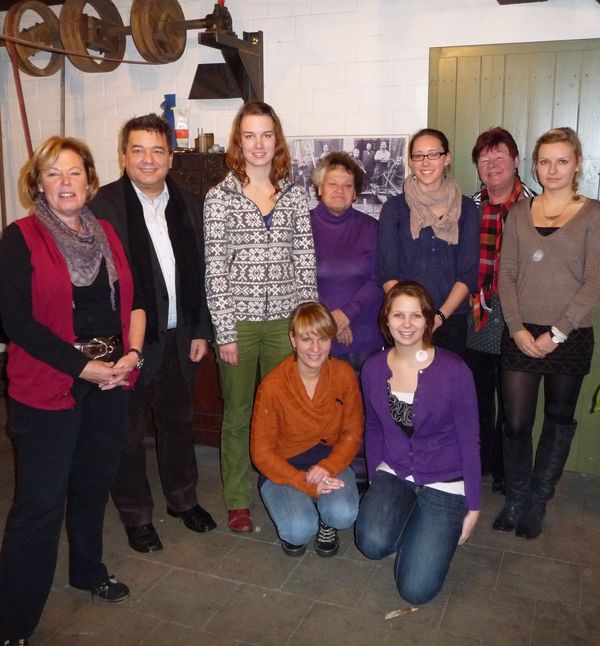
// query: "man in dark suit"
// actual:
[[160, 226], [368, 162]]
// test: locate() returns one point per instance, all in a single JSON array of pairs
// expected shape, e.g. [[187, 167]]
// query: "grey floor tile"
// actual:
[[493, 617], [590, 588], [540, 578], [194, 551], [575, 543], [187, 598], [379, 593], [60, 608], [101, 623], [330, 624], [475, 565], [381, 597], [333, 580], [259, 616], [557, 625], [226, 589], [419, 635], [171, 634], [349, 550], [138, 573], [256, 562], [264, 529]]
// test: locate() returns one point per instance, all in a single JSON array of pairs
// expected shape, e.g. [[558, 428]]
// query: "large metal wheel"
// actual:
[[104, 34], [45, 32], [158, 29]]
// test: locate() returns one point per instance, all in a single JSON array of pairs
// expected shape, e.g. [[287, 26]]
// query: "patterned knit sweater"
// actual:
[[255, 273]]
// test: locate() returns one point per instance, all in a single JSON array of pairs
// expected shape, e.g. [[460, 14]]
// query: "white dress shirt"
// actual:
[[156, 223]]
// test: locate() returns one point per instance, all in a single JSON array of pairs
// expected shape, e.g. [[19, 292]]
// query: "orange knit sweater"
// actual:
[[286, 422]]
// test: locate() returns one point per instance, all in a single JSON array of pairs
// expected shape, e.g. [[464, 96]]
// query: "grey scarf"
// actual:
[[83, 252]]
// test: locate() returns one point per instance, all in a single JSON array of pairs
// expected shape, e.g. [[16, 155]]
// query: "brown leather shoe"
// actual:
[[240, 521]]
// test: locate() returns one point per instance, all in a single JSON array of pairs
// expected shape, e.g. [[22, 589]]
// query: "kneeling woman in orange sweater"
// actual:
[[306, 429]]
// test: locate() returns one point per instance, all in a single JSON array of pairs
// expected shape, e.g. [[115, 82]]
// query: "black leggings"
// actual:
[[520, 393]]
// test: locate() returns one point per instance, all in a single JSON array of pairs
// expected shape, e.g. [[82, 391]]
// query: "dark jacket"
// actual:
[[110, 204]]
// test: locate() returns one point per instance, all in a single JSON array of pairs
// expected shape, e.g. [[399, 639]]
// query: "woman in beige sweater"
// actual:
[[549, 284]]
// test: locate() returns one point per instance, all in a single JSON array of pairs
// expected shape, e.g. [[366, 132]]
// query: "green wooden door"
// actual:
[[527, 88]]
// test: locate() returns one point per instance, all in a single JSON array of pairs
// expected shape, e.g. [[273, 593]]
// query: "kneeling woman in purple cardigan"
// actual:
[[422, 447]]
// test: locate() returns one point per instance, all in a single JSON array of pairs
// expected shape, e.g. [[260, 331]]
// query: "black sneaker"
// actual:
[[327, 542], [293, 550], [111, 590], [15, 642]]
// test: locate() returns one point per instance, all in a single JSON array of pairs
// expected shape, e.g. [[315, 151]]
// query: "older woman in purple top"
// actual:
[[345, 241], [422, 442]]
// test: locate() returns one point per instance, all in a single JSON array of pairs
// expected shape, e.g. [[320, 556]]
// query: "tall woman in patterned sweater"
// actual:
[[260, 263]]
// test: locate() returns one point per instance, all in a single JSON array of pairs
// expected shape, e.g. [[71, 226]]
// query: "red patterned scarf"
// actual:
[[490, 242]]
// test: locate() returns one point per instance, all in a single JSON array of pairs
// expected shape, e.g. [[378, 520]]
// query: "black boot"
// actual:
[[551, 455], [517, 473]]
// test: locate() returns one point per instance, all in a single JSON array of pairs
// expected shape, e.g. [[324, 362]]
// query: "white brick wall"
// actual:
[[331, 67]]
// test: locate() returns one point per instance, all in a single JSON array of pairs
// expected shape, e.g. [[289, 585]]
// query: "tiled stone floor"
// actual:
[[222, 589]]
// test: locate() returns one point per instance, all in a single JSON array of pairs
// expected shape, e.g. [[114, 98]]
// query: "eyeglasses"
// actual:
[[421, 156]]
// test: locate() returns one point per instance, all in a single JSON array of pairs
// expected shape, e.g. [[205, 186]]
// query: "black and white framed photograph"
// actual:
[[382, 158]]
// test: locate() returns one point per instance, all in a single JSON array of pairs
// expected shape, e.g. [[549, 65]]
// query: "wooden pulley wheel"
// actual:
[[103, 34], [158, 29], [45, 32]]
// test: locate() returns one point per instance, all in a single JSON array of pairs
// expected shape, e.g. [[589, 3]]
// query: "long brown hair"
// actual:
[[282, 161]]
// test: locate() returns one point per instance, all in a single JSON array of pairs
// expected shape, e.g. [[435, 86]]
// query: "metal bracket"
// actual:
[[241, 75]]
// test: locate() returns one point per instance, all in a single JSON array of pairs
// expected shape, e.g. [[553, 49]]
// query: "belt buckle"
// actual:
[[99, 348]]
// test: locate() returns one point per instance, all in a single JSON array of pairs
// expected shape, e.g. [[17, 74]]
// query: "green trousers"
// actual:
[[261, 346]]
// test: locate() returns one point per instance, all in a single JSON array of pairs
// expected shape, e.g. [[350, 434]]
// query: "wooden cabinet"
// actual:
[[197, 172]]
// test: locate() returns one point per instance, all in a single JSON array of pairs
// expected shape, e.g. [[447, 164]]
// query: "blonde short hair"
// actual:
[[312, 318], [44, 156]]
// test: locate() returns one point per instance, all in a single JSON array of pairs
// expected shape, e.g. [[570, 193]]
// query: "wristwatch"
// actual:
[[140, 363]]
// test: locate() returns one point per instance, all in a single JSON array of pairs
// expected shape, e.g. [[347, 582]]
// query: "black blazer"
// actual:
[[109, 204]]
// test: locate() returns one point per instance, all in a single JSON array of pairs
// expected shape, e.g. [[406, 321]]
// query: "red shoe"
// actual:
[[240, 521]]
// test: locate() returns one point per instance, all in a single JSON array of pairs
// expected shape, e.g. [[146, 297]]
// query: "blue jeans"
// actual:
[[422, 525], [296, 515]]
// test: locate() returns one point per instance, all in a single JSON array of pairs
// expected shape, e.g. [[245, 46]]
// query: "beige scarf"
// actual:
[[421, 202]]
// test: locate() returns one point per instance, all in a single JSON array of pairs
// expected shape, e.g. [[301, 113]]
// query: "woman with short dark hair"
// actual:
[[496, 156], [345, 242]]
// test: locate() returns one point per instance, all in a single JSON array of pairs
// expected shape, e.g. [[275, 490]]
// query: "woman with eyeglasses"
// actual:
[[430, 234]]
